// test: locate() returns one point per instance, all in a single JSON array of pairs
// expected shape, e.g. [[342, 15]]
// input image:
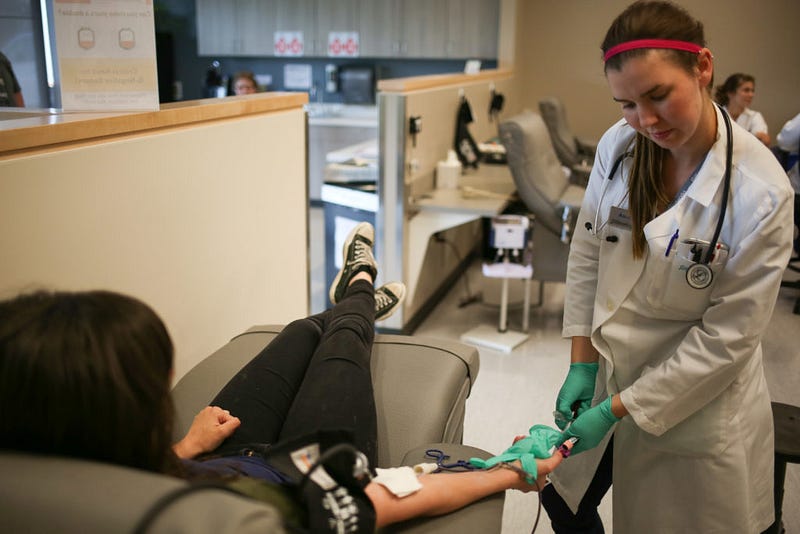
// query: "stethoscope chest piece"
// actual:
[[699, 276]]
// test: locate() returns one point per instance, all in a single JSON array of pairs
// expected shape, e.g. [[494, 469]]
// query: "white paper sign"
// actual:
[[288, 44], [296, 76], [106, 54], [343, 44]]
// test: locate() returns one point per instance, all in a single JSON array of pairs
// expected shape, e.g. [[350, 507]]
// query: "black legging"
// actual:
[[587, 520], [315, 375]]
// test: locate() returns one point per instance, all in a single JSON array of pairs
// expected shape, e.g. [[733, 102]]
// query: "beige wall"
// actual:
[[558, 54], [207, 224]]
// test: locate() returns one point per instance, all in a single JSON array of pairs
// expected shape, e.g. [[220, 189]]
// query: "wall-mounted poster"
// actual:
[[106, 54], [343, 44], [288, 44]]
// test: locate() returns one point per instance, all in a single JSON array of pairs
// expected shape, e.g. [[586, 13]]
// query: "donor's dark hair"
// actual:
[[87, 375]]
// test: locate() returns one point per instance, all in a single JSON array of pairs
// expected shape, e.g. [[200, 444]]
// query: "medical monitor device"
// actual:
[[509, 232]]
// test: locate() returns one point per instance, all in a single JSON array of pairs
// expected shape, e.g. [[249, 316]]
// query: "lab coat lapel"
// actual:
[[622, 272], [708, 180]]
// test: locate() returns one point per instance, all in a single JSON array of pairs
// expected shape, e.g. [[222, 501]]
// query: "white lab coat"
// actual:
[[696, 452], [752, 121], [789, 139]]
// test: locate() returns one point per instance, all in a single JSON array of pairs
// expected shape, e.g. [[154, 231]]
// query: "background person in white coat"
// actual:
[[789, 140], [672, 370], [736, 95]]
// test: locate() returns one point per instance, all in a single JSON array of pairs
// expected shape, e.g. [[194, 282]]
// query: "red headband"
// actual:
[[652, 43]]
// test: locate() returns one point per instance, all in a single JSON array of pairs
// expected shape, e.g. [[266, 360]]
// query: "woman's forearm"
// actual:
[[582, 350], [442, 493]]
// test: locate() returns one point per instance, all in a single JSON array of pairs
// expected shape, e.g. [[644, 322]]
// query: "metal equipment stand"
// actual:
[[511, 237]]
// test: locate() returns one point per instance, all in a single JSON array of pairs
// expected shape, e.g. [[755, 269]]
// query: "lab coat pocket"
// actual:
[[682, 285], [703, 434], [658, 268]]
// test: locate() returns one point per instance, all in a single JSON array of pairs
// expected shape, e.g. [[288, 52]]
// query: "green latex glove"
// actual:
[[537, 444], [578, 388], [591, 426]]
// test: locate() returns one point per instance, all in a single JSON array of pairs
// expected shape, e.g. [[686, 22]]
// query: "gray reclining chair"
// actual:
[[574, 153], [421, 386], [546, 191]]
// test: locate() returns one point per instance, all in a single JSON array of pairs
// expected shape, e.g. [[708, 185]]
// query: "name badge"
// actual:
[[620, 217]]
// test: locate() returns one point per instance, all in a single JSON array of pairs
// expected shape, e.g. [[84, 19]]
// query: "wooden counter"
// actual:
[[52, 127], [438, 81]]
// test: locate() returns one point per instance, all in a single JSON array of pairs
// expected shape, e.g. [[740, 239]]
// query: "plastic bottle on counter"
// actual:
[[448, 171]]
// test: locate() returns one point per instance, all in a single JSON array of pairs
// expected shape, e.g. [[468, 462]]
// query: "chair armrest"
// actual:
[[579, 174], [570, 205], [587, 147]]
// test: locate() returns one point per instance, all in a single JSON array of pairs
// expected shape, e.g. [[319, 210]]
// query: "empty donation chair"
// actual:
[[574, 153], [546, 191]]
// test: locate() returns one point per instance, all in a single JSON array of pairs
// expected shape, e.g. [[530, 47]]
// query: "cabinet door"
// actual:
[[235, 27], [298, 16], [336, 16], [217, 32], [256, 25], [379, 28], [423, 26], [472, 28]]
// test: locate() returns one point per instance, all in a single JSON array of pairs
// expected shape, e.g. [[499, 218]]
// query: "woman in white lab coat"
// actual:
[[666, 335]]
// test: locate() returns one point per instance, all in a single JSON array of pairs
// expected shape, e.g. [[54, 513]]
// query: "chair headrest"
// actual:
[[538, 174], [564, 142]]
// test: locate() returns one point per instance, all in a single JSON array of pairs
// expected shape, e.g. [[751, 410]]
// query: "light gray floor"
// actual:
[[517, 390]]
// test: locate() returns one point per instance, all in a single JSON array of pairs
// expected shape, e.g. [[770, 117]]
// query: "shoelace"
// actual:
[[382, 300], [362, 254]]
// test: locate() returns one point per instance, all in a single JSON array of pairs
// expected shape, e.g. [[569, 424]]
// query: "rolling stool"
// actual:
[[787, 449]]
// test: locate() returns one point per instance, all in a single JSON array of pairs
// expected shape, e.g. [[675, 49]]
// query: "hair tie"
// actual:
[[652, 43]]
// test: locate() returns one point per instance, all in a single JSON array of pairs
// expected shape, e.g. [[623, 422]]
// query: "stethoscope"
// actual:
[[699, 274]]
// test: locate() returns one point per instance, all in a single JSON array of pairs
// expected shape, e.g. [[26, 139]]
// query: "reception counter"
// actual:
[[199, 209]]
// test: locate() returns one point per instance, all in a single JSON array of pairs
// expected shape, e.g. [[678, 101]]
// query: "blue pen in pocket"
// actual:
[[671, 243]]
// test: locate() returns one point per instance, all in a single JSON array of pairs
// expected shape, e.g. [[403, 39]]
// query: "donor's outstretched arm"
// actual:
[[442, 493]]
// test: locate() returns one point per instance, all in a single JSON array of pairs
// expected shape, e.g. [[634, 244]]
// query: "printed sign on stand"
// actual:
[[343, 44], [106, 54], [288, 44]]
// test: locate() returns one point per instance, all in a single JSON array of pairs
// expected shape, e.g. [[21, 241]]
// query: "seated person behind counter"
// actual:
[[108, 345], [244, 83]]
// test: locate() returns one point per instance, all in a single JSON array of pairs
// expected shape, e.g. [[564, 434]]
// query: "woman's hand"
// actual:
[[209, 429], [592, 426], [577, 392], [544, 467]]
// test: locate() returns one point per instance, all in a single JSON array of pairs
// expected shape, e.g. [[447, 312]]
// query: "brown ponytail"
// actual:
[[645, 189]]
